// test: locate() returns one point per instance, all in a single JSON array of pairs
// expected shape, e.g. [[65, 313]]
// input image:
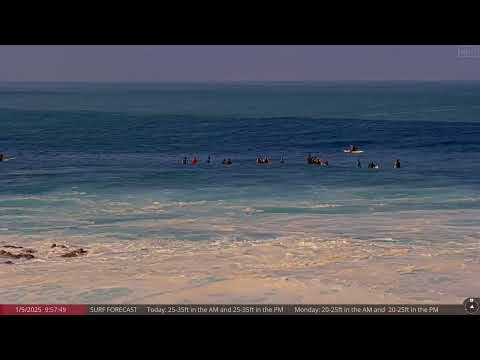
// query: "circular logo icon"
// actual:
[[471, 305]]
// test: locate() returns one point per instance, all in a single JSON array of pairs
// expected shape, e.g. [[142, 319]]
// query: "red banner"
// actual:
[[36, 309]]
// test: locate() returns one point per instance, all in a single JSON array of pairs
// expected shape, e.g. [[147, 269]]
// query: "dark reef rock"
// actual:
[[9, 262], [6, 253], [16, 256], [75, 253], [12, 247]]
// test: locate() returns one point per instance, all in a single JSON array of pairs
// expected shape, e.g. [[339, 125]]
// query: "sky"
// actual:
[[185, 63]]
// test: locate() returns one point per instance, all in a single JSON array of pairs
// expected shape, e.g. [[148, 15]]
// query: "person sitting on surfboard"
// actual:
[[194, 161], [359, 164], [208, 159], [397, 164], [353, 148], [185, 161]]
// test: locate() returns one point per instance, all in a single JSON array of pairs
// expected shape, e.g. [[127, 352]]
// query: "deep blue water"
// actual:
[[90, 157]]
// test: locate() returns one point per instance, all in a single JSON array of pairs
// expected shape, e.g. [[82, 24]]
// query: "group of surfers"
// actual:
[[196, 160], [312, 160], [260, 160]]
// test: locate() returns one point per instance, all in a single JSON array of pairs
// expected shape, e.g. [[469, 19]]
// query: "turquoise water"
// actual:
[[105, 159]]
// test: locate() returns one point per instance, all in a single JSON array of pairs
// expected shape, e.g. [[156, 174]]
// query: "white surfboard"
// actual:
[[353, 152]]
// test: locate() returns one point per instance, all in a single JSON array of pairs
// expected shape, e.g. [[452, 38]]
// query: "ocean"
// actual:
[[99, 166]]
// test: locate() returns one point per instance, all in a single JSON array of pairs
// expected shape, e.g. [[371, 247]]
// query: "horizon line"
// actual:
[[232, 81]]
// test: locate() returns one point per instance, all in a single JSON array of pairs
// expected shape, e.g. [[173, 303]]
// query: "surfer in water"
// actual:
[[359, 164], [309, 159], [208, 159], [185, 161], [194, 161], [397, 164], [282, 160], [4, 157]]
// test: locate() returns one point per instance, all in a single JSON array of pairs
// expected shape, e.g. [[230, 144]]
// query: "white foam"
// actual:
[[321, 206], [251, 211]]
